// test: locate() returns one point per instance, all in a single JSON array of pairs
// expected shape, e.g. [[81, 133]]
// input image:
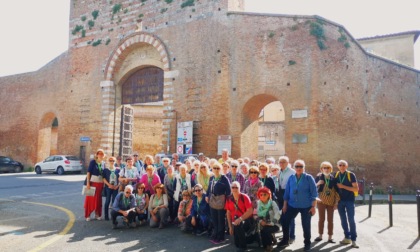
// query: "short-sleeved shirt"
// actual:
[[343, 178], [238, 209]]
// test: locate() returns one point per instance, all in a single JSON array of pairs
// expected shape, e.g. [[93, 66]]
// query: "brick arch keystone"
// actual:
[[133, 39]]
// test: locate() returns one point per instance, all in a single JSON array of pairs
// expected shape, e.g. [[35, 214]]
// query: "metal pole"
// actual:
[[418, 210], [363, 191], [390, 205], [370, 199]]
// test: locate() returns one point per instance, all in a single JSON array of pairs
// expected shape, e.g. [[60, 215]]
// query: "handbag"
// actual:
[[217, 202]]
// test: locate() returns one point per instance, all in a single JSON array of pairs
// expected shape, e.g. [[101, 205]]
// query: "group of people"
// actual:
[[244, 198]]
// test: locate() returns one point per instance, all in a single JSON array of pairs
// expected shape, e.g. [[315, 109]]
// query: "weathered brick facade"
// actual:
[[221, 67]]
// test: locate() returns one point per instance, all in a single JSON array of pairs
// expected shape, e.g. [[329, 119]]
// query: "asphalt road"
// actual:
[[45, 213]]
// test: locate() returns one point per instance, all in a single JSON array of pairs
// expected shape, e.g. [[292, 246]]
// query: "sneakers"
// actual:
[[345, 241], [283, 243], [88, 219], [318, 239], [354, 245], [98, 217]]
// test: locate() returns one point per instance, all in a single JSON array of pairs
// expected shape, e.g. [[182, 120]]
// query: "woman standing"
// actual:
[[182, 182], [328, 195], [158, 207], [170, 188], [94, 178], [234, 175], [111, 175], [142, 202], [252, 184], [150, 179], [244, 170], [204, 176], [129, 175], [267, 180], [217, 192], [268, 215]]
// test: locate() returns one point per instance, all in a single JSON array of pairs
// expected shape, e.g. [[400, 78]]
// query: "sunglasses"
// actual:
[[201, 167], [216, 168], [341, 165], [197, 190], [160, 188], [142, 188], [166, 161], [263, 194], [253, 172], [326, 168], [234, 166], [299, 166], [111, 161], [234, 187]]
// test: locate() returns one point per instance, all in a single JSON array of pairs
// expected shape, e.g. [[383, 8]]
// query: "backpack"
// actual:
[[348, 177]]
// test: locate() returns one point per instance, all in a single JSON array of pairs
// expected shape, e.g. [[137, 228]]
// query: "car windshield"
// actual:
[[74, 158]]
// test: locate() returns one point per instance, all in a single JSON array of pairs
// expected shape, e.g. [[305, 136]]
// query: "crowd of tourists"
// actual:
[[244, 198]]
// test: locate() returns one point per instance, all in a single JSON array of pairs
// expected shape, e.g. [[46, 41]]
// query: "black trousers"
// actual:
[[267, 234], [131, 216]]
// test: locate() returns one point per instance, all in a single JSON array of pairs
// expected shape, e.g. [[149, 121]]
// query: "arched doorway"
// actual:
[[47, 136], [263, 131]]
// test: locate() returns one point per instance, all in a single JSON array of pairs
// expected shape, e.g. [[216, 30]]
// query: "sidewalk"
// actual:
[[383, 199]]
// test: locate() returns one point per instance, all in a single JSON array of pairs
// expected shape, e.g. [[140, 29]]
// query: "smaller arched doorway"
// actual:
[[263, 133], [47, 136]]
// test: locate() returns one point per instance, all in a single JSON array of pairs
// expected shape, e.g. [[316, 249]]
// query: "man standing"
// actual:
[[225, 156], [347, 184], [138, 164], [299, 197], [285, 172]]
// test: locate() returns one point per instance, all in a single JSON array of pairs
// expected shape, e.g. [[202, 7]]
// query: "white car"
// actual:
[[59, 164]]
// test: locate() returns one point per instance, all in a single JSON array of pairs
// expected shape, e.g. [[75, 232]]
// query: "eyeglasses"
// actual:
[[234, 166], [159, 188], [299, 166], [142, 188], [263, 169], [341, 165], [127, 192], [326, 168], [201, 167], [263, 194], [253, 172], [166, 161], [197, 190], [111, 161], [234, 187], [135, 155], [216, 168]]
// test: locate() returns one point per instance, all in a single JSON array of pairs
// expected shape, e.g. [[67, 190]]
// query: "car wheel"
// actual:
[[18, 169], [60, 170], [38, 170]]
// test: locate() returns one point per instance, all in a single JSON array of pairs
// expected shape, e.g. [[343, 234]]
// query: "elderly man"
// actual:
[[124, 205], [285, 173], [225, 156], [299, 197], [347, 184]]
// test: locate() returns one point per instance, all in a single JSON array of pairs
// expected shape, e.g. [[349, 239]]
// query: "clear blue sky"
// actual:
[[36, 31]]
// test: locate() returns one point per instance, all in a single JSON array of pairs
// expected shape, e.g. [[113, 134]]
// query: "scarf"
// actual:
[[253, 181], [263, 208]]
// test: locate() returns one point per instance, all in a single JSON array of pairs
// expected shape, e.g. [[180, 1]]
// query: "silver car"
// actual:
[[59, 164]]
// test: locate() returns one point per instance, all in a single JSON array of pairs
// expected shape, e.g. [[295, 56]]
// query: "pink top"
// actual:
[[149, 185]]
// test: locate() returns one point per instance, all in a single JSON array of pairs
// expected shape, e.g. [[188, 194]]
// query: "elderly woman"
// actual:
[[252, 184], [266, 179], [225, 168], [184, 210], [150, 179], [196, 169], [129, 175], [158, 207], [328, 195], [200, 212], [234, 175], [182, 182], [239, 215], [170, 188], [142, 202], [110, 180], [219, 189], [94, 178], [268, 214], [124, 205], [244, 169], [203, 177]]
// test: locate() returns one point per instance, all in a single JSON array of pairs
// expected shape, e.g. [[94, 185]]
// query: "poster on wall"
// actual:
[[224, 142], [184, 137]]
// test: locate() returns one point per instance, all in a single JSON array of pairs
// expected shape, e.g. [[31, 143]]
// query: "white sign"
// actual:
[[300, 113], [224, 142], [185, 133]]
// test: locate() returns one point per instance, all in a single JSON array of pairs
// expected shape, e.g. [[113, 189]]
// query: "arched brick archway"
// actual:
[[108, 87], [250, 123], [47, 136]]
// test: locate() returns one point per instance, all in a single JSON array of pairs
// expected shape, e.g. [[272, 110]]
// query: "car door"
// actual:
[[47, 164], [58, 161], [4, 164]]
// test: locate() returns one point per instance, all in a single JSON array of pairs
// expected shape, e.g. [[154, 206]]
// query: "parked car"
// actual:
[[59, 164], [7, 164]]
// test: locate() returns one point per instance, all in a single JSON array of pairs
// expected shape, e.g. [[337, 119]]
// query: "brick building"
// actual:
[[209, 62]]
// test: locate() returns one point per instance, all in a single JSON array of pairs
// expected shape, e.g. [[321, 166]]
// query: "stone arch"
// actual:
[[250, 123], [119, 54], [47, 136], [110, 92]]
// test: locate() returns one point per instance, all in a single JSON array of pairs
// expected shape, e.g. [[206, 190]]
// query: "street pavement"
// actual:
[[26, 226]]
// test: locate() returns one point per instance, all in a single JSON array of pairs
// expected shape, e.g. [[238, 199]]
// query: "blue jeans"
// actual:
[[110, 197], [346, 211], [306, 217]]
